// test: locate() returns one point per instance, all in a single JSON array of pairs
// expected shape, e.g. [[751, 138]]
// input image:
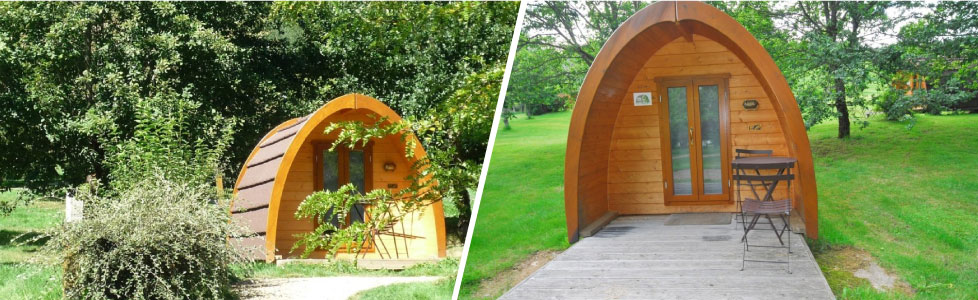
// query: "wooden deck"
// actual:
[[638, 257]]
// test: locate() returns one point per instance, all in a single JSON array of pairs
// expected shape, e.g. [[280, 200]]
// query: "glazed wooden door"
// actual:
[[340, 166], [694, 122]]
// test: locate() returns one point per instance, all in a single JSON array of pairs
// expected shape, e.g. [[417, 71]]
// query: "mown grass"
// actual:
[[909, 198], [441, 289], [522, 207], [446, 267], [20, 279]]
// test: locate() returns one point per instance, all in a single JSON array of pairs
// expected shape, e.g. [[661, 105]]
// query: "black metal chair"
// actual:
[[761, 202], [742, 153], [753, 153]]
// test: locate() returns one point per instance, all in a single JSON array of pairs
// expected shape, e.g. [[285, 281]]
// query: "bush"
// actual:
[[157, 240], [169, 139], [897, 105]]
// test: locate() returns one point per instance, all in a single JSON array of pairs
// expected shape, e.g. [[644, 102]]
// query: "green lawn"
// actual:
[[19, 279], [908, 198], [522, 207], [441, 289], [22, 280]]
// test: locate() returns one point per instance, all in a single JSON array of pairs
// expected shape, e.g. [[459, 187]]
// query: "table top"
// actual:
[[764, 162]]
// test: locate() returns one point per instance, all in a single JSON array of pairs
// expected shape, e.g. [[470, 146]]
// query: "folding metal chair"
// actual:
[[752, 153], [742, 153], [762, 188]]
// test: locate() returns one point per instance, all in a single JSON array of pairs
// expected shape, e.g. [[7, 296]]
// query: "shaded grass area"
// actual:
[[18, 244], [522, 206], [908, 198]]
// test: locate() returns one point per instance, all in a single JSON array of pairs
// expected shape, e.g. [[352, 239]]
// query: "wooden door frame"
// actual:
[[692, 110], [343, 167]]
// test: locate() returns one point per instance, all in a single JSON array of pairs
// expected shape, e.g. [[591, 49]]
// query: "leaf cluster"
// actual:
[[160, 239]]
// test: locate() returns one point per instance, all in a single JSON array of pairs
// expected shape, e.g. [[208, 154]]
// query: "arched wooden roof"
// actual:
[[260, 184], [618, 62]]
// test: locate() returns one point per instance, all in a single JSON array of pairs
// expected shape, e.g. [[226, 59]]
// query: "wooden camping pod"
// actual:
[[284, 168], [615, 149]]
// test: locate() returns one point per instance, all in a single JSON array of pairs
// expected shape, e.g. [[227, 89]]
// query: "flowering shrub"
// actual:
[[157, 240]]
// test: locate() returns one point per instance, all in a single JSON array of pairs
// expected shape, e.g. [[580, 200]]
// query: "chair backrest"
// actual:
[[750, 153], [762, 186]]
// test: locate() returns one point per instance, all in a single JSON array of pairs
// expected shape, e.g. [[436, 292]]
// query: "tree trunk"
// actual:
[[506, 122], [464, 213], [841, 107]]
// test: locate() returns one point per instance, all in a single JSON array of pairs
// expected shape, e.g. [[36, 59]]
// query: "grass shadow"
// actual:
[[15, 238]]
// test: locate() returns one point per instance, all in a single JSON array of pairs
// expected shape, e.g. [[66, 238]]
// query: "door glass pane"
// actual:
[[679, 142], [358, 179], [710, 133], [331, 179]]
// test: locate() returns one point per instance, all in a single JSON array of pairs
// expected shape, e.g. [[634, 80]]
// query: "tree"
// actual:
[[939, 49], [540, 76], [837, 39], [558, 43], [73, 76], [74, 73]]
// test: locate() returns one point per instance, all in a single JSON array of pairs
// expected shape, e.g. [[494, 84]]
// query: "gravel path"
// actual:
[[339, 288]]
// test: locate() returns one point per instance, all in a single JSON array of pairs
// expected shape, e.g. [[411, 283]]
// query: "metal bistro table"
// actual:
[[747, 173], [765, 205]]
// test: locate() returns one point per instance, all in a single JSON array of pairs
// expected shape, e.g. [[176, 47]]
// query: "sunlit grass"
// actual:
[[441, 289], [909, 198], [19, 279], [522, 207]]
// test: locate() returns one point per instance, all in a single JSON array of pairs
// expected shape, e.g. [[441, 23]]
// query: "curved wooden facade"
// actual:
[[615, 149], [282, 170]]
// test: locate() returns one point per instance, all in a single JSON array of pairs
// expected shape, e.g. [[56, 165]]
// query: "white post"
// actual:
[[73, 208]]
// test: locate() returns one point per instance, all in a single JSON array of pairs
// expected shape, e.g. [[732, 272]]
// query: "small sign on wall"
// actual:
[[642, 99]]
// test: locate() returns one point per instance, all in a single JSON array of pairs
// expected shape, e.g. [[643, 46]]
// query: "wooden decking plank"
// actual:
[[677, 265], [779, 272], [651, 293], [676, 283], [638, 257]]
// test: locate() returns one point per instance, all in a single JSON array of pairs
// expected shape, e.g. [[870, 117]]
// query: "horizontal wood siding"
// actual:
[[634, 177]]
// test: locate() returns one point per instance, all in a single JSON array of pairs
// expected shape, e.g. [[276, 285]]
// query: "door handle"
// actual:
[[691, 136]]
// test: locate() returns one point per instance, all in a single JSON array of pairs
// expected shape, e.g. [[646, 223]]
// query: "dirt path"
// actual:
[[319, 288], [502, 282]]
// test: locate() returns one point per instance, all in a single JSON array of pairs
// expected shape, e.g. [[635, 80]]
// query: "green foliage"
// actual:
[[898, 106], [542, 79], [164, 144], [9, 201], [73, 74], [325, 205], [456, 136], [557, 45], [385, 208], [161, 239]]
